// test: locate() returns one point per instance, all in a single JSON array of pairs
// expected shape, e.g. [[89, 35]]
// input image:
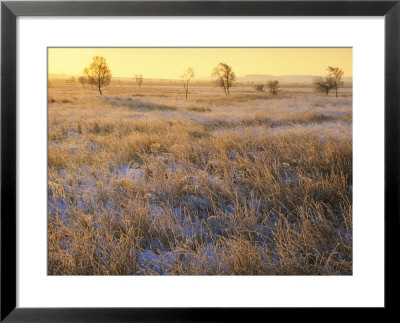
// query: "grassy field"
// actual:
[[141, 182]]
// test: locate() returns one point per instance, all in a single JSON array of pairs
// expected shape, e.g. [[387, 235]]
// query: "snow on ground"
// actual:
[[88, 187]]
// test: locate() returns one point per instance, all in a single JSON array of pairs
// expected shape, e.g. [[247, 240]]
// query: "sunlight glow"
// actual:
[[169, 63]]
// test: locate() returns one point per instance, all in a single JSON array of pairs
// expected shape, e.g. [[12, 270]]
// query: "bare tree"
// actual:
[[89, 80], [259, 87], [273, 87], [186, 77], [324, 85], [98, 73], [139, 79], [224, 75], [336, 74], [82, 80]]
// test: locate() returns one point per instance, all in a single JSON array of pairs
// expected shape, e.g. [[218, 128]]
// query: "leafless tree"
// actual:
[[139, 79], [224, 75], [99, 73], [186, 77], [336, 74], [259, 87], [273, 87], [82, 80], [324, 85], [89, 80]]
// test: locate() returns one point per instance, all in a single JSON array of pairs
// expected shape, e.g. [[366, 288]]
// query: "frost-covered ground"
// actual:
[[142, 182]]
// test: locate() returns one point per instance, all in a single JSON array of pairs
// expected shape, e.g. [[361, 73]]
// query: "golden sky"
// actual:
[[171, 62]]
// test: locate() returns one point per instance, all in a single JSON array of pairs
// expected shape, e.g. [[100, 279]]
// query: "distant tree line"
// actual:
[[333, 81], [98, 75]]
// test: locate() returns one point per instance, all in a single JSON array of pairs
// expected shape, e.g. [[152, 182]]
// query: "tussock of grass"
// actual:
[[52, 100], [199, 109], [274, 120], [137, 104]]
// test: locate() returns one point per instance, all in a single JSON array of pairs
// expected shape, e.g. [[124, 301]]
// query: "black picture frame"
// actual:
[[11, 10]]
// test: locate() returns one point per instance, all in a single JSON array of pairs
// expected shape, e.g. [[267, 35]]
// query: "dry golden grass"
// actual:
[[141, 182]]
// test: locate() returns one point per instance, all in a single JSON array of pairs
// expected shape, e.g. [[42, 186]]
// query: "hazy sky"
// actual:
[[171, 62]]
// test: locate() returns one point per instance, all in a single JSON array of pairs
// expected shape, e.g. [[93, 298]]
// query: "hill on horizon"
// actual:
[[250, 79]]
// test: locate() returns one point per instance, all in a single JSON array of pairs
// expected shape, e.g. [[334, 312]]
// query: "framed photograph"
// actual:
[[197, 160]]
